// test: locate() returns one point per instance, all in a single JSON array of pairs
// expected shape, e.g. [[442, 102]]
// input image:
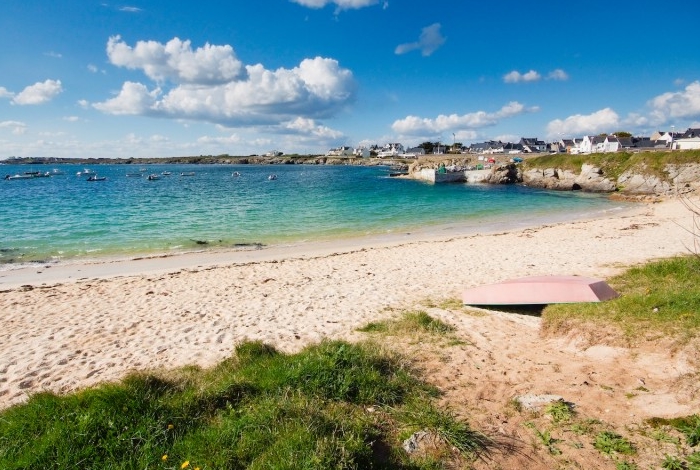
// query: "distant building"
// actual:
[[391, 150], [533, 145], [690, 143], [416, 151], [340, 152]]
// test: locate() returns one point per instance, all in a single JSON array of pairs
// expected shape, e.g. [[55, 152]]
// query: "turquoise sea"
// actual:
[[65, 217]]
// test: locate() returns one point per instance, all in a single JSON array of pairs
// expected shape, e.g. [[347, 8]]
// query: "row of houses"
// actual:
[[660, 140], [690, 139]]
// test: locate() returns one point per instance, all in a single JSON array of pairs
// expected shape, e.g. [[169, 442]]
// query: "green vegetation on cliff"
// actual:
[[615, 164]]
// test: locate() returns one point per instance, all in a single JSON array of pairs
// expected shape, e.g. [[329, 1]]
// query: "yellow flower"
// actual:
[[164, 457], [185, 464], [170, 426]]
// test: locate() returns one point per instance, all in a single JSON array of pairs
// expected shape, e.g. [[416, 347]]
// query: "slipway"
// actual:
[[540, 290]]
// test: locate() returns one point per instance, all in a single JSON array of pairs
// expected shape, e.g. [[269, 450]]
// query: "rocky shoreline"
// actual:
[[674, 179]]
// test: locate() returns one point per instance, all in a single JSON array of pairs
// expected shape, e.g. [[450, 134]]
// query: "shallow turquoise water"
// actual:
[[66, 217]]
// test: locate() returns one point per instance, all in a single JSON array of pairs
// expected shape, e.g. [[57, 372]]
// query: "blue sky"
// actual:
[[83, 78]]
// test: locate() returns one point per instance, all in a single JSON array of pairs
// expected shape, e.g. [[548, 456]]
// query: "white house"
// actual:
[[692, 143], [592, 144], [340, 152], [391, 150], [361, 152]]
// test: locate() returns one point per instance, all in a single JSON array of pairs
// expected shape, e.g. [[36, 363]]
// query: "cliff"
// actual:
[[629, 174]]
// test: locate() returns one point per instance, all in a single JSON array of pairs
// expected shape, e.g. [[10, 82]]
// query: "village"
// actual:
[[603, 143]]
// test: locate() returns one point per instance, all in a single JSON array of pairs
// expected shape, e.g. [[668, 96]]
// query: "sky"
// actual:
[[150, 78]]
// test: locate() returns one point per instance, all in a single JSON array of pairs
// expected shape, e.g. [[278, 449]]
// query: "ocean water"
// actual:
[[65, 217]]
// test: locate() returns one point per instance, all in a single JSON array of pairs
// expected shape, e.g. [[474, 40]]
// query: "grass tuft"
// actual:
[[659, 298], [259, 409], [609, 442]]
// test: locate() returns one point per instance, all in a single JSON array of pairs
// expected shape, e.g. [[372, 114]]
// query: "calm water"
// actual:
[[65, 217]]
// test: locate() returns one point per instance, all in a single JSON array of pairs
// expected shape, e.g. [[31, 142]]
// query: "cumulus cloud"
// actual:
[[413, 125], [306, 126], [341, 4], [5, 93], [17, 127], [534, 76], [210, 84], [39, 93], [429, 41], [558, 74], [601, 121], [133, 99], [517, 77], [680, 104], [176, 61]]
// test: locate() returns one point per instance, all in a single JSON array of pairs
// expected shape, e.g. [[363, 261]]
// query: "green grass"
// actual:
[[560, 411], [688, 425], [609, 442], [333, 405], [414, 321], [615, 164], [660, 298]]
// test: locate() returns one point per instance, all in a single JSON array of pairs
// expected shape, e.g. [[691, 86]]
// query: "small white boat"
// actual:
[[235, 173], [166, 173], [272, 177], [96, 178], [134, 175], [187, 173], [56, 171], [18, 177], [153, 177]]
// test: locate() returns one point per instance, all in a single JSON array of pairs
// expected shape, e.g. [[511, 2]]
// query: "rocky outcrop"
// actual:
[[504, 174], [637, 182], [591, 179]]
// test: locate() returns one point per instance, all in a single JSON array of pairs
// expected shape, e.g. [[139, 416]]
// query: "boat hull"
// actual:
[[540, 290]]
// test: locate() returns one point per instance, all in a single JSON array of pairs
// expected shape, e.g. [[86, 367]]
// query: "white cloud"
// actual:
[[604, 120], [225, 140], [130, 9], [516, 77], [39, 93], [413, 125], [55, 55], [309, 127], [681, 104], [211, 85], [17, 127], [558, 74], [71, 118], [176, 61], [5, 93], [429, 41], [341, 4]]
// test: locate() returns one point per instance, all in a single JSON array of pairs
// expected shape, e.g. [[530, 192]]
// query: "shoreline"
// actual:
[[13, 276], [63, 332]]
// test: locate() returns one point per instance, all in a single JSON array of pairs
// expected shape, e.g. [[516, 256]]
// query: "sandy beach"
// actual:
[[67, 327]]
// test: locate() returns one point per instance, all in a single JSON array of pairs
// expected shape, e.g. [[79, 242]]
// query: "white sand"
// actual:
[[83, 324]]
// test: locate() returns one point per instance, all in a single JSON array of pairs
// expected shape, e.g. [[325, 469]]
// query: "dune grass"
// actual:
[[657, 299], [333, 405]]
